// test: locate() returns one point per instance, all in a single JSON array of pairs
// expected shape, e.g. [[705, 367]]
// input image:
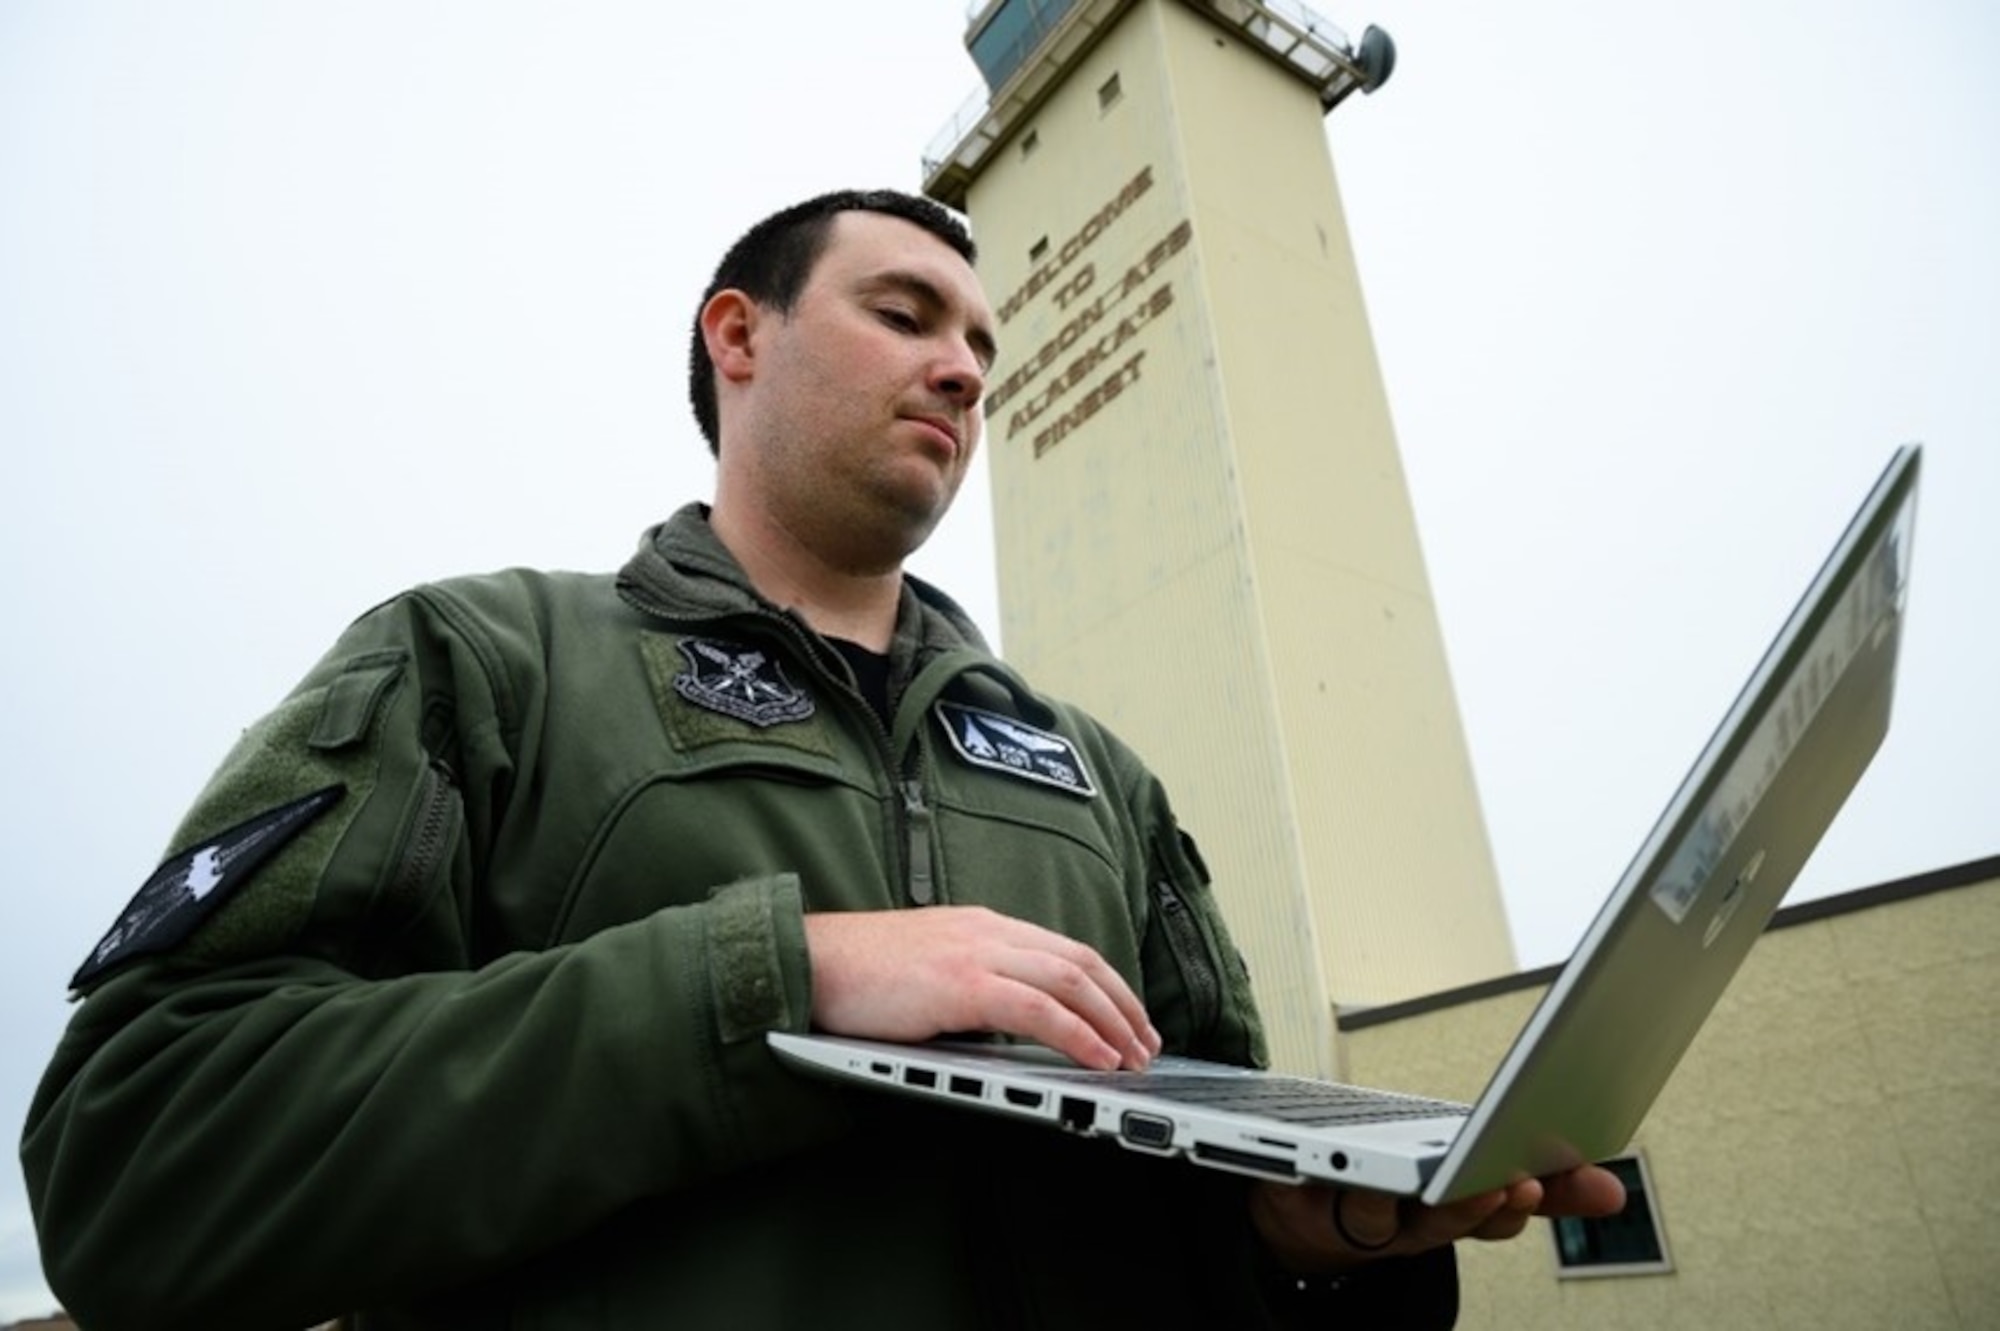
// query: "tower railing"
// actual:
[[1311, 46]]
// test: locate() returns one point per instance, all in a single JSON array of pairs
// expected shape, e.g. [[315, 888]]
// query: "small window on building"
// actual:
[[1631, 1243], [1109, 93], [1030, 141], [1038, 249]]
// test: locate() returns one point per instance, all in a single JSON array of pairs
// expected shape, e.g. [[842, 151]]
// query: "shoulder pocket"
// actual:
[[354, 699]]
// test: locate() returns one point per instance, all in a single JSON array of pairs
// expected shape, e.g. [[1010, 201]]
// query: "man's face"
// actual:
[[863, 415]]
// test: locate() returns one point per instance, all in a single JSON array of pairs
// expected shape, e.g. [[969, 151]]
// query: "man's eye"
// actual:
[[899, 319]]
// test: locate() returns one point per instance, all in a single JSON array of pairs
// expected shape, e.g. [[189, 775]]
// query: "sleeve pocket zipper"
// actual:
[[431, 834], [1190, 950]]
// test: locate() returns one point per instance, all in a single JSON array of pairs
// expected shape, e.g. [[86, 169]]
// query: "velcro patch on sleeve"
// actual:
[[191, 886], [1011, 746]]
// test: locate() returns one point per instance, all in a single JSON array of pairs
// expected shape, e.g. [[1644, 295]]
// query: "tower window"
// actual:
[[1109, 93], [1038, 249], [1030, 141], [1631, 1243]]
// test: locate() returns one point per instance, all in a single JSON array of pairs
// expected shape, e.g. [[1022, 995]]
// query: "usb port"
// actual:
[[970, 1086], [920, 1077]]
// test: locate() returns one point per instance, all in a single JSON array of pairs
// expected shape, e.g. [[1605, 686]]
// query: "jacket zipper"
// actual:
[[1184, 939], [917, 826], [911, 813]]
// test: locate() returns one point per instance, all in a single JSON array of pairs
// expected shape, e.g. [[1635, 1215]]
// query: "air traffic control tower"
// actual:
[[1204, 533]]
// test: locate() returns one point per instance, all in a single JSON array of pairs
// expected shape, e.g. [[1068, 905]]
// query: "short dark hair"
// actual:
[[771, 262]]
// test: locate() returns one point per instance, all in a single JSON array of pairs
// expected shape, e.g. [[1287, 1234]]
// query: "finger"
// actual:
[[1015, 1007], [1130, 1006], [1009, 1006], [1071, 974], [1095, 983], [1431, 1226], [1084, 995], [1590, 1191], [908, 975], [1514, 1208], [1500, 1227]]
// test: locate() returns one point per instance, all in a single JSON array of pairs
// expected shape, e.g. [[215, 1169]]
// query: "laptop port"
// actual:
[[1078, 1115], [968, 1086], [1149, 1132], [1248, 1162], [923, 1078], [1026, 1099]]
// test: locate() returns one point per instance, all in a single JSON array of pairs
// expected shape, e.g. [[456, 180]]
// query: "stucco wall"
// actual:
[[1826, 1156]]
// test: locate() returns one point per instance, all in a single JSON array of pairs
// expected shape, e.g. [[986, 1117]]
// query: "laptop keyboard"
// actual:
[[1287, 1099]]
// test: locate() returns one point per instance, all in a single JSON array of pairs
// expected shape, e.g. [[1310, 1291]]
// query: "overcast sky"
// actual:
[[300, 304]]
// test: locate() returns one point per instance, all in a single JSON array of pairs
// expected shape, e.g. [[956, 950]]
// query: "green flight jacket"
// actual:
[[482, 1043]]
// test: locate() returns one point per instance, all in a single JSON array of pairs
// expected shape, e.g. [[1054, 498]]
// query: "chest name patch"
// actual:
[[739, 682], [191, 886], [1014, 748]]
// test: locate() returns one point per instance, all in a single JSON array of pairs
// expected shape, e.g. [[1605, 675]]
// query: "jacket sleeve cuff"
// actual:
[[758, 971], [760, 979]]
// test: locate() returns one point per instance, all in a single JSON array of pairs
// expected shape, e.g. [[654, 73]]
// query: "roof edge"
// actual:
[[1968, 874]]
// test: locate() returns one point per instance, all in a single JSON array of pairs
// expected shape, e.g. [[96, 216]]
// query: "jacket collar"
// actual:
[[683, 572]]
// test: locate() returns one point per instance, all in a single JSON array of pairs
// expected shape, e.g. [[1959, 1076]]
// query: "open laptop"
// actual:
[[1620, 1014]]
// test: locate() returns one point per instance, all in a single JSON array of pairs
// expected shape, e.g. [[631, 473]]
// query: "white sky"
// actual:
[[302, 303]]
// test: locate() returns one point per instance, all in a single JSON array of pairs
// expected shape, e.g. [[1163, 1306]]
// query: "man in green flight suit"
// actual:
[[447, 1008]]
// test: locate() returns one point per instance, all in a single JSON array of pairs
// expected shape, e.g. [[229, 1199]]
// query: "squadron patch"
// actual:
[[191, 886], [1004, 744], [745, 684]]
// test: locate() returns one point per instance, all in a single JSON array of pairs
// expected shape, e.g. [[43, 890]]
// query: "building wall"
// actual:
[[1826, 1156], [1399, 869], [1201, 523], [1115, 511]]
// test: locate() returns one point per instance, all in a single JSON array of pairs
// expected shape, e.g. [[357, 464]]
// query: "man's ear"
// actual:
[[728, 322]]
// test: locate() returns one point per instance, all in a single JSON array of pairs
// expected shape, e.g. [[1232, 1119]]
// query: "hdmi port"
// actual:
[[1027, 1099]]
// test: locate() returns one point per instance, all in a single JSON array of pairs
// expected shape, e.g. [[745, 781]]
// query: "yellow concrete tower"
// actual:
[[1204, 533]]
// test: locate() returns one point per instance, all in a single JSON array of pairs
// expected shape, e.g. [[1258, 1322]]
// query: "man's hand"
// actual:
[[914, 974], [1316, 1229]]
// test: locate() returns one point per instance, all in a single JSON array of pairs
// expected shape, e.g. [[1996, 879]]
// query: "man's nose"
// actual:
[[960, 376]]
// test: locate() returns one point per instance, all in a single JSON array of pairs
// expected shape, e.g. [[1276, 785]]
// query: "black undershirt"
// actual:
[[871, 674]]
